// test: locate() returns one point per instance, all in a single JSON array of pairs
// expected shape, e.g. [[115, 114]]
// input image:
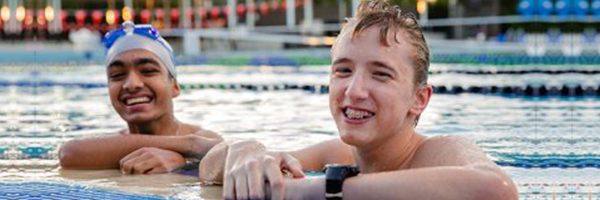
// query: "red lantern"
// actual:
[[80, 16], [274, 5], [215, 12], [145, 16], [40, 18], [97, 17], [117, 17], [202, 12], [174, 15], [28, 18], [63, 17], [132, 15], [264, 8], [240, 9], [160, 14]]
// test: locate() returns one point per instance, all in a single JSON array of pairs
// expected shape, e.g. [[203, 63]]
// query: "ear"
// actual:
[[422, 99], [176, 89]]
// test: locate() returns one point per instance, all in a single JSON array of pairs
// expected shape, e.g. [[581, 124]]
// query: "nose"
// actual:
[[133, 83], [357, 88]]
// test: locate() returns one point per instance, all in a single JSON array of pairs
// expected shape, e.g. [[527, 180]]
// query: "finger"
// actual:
[[228, 187], [275, 178], [293, 165], [241, 186], [142, 167], [127, 167], [130, 156], [256, 181]]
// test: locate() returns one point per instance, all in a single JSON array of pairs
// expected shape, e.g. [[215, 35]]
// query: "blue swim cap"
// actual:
[[144, 36]]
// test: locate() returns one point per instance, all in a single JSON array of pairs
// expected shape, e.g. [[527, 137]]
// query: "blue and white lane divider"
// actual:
[[525, 161], [553, 163], [495, 71], [51, 190], [526, 90]]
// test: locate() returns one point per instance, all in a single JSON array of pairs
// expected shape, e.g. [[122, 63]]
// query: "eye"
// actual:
[[342, 71], [382, 74], [149, 71], [116, 75]]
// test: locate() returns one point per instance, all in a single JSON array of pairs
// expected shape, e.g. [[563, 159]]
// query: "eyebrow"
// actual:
[[143, 61], [341, 60], [116, 63], [383, 65]]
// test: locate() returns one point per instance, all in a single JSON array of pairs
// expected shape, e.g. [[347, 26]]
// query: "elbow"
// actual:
[[67, 155], [495, 185]]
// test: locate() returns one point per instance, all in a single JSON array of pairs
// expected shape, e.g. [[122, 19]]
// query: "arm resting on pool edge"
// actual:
[[474, 182], [311, 158], [106, 152], [445, 167]]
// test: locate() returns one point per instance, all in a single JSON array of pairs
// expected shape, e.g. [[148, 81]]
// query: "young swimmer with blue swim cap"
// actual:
[[378, 90], [141, 83]]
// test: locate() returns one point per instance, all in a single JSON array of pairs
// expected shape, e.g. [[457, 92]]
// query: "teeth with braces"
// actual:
[[356, 114], [137, 100]]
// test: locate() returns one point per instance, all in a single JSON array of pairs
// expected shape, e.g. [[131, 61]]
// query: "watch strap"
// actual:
[[334, 181]]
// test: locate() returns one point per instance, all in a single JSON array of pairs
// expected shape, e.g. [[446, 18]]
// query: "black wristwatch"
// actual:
[[335, 176]]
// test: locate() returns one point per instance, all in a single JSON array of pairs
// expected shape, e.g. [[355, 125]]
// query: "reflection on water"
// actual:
[[548, 145]]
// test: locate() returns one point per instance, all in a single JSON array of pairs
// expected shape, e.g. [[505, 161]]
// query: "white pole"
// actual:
[[183, 18], [308, 11], [129, 3], [167, 9], [12, 22], [342, 10], [57, 22], [424, 16], [250, 16], [197, 16], [355, 4], [231, 18], [290, 14]]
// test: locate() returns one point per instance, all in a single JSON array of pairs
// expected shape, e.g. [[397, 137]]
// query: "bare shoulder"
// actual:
[[123, 132], [449, 150], [194, 129]]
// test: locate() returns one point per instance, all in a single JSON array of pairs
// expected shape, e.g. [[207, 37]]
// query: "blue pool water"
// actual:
[[547, 144]]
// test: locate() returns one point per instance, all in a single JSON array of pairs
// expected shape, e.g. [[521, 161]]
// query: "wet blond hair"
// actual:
[[389, 18]]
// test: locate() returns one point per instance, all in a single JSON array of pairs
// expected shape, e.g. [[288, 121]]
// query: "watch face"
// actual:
[[338, 166], [340, 172]]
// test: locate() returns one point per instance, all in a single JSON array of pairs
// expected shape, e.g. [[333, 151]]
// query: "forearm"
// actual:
[[105, 152], [437, 183]]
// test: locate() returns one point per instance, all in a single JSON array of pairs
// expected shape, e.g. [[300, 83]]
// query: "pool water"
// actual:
[[547, 144]]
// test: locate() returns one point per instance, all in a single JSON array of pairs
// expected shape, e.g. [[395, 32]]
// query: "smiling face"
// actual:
[[139, 86], [373, 94]]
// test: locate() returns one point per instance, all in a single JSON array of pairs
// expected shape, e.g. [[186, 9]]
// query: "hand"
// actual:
[[197, 144], [150, 160], [247, 167]]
